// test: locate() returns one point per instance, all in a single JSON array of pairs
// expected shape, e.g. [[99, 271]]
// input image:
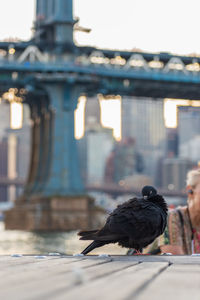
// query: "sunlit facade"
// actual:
[[79, 117], [171, 111], [142, 119], [110, 116], [16, 115]]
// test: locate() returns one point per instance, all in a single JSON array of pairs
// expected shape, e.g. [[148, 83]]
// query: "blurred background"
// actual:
[[123, 142]]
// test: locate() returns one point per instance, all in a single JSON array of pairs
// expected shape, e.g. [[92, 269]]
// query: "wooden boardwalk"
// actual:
[[92, 277]]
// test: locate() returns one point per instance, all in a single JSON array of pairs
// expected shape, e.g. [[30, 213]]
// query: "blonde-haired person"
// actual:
[[182, 234]]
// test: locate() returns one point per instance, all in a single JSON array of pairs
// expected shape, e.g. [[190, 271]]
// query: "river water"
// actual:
[[22, 242]]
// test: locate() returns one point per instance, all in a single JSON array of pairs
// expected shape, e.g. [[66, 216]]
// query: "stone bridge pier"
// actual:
[[54, 197]]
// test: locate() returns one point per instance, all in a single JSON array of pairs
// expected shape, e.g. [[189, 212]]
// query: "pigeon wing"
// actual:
[[127, 218], [142, 221], [115, 227]]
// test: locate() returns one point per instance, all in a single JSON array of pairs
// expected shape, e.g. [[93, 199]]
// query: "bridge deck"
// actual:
[[92, 277]]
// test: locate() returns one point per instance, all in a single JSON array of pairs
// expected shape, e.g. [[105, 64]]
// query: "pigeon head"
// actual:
[[148, 192]]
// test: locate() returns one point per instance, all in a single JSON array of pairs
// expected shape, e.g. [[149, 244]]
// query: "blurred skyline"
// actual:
[[152, 26]]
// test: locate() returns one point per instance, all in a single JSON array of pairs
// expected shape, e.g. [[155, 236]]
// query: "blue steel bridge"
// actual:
[[100, 71], [50, 73]]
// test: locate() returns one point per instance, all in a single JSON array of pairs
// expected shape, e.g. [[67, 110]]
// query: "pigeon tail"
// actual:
[[89, 232], [93, 245]]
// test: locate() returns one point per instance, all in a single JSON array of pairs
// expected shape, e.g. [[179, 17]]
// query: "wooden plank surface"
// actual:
[[121, 284], [177, 282], [91, 277]]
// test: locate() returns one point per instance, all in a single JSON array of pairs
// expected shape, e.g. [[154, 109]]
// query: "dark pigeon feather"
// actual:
[[133, 224]]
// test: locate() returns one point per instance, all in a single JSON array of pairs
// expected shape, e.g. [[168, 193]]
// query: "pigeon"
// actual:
[[134, 224]]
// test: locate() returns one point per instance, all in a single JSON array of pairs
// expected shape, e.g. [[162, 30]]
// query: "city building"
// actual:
[[123, 162], [189, 132], [188, 123], [94, 149], [191, 149], [95, 146], [143, 120], [14, 153], [172, 142], [4, 117]]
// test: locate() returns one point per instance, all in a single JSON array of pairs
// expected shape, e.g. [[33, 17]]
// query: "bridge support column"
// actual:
[[54, 196], [64, 174]]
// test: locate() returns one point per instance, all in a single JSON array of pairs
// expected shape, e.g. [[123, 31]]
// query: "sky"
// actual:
[[150, 25]]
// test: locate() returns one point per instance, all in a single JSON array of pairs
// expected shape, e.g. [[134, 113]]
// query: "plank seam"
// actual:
[[144, 285], [112, 272], [61, 290]]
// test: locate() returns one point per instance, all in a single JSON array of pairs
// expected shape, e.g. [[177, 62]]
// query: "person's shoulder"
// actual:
[[177, 215], [174, 211]]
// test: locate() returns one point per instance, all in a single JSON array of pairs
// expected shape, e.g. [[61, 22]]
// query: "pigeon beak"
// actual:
[[145, 197]]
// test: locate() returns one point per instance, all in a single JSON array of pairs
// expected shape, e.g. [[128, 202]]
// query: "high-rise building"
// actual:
[[94, 149], [95, 146], [92, 112], [14, 152], [99, 146], [191, 149], [4, 117], [172, 142], [188, 123], [123, 162], [189, 132], [143, 120]]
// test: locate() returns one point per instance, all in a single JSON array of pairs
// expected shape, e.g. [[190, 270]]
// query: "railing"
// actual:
[[110, 59], [116, 190]]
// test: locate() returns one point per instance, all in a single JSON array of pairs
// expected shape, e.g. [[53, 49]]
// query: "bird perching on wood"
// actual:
[[134, 224]]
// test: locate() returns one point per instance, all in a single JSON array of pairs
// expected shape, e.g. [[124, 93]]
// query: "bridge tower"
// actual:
[[54, 22], [54, 196]]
